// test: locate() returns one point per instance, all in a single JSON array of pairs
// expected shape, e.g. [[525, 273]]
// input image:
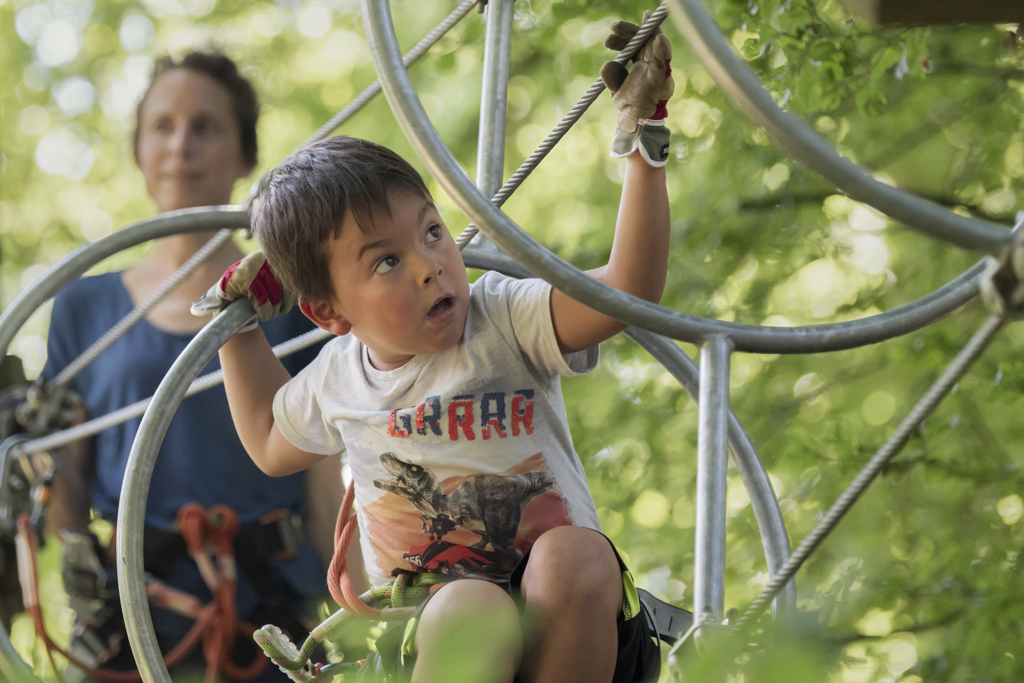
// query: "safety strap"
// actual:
[[209, 536]]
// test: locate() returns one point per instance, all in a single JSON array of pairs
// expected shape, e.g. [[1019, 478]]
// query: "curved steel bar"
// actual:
[[490, 146], [746, 90], [201, 219], [774, 538], [511, 239], [131, 510]]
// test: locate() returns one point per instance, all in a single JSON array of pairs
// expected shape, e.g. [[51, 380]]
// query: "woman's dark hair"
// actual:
[[223, 70]]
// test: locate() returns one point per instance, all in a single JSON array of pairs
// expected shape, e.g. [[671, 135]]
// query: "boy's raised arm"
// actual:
[[252, 376], [639, 258], [252, 373]]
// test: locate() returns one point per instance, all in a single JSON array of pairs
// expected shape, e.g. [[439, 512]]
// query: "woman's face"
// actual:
[[189, 146]]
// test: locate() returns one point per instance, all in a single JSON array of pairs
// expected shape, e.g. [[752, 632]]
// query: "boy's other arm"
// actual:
[[638, 263], [252, 376]]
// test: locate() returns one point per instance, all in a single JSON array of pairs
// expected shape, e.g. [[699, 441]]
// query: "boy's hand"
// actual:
[[640, 94], [253, 279]]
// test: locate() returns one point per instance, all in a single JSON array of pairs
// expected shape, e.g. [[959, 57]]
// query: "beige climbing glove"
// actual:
[[640, 94], [253, 279]]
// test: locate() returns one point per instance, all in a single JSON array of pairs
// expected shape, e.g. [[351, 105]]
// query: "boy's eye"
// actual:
[[386, 264], [433, 233]]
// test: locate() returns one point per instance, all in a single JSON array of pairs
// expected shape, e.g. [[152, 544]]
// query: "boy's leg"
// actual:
[[572, 586], [468, 632]]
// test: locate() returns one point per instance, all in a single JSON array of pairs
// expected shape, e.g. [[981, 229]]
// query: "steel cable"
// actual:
[[116, 417], [410, 58], [140, 311], [956, 369], [568, 121]]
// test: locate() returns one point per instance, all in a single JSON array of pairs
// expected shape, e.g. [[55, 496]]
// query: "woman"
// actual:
[[195, 137]]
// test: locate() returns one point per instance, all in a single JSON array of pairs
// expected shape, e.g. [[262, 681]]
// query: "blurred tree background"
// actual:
[[922, 581]]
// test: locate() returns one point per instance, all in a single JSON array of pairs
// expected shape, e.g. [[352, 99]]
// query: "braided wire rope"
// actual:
[[116, 417], [222, 236], [938, 390], [568, 121], [410, 57], [144, 307]]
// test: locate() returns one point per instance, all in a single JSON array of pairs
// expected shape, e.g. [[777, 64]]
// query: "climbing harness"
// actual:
[[209, 536]]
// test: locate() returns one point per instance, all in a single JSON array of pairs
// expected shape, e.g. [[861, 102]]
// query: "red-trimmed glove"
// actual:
[[640, 94], [253, 279]]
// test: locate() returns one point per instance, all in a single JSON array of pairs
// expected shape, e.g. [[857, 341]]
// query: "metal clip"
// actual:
[[288, 528], [1002, 283], [47, 408]]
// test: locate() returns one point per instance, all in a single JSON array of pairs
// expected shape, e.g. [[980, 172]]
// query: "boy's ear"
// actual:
[[326, 317]]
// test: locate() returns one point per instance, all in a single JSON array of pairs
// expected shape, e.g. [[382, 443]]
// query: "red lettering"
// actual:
[[465, 419], [522, 414], [401, 432]]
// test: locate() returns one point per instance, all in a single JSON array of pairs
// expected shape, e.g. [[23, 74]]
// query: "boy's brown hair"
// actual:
[[306, 200]]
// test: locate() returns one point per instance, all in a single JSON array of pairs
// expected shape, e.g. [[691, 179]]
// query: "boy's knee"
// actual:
[[573, 566], [469, 631], [465, 609]]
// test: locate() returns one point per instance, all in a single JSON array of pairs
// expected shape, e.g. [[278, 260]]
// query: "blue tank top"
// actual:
[[201, 459]]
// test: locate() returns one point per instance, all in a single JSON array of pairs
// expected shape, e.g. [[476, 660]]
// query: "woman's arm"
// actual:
[[70, 500]]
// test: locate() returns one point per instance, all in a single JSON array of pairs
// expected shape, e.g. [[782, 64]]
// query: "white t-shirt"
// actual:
[[461, 459]]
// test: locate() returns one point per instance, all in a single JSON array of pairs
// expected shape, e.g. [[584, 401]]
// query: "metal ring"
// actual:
[[131, 509], [745, 88], [629, 309], [774, 538], [200, 219]]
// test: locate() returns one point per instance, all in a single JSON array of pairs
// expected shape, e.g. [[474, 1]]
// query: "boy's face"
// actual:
[[400, 287]]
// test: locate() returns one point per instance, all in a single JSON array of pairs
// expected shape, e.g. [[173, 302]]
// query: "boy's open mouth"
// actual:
[[442, 306]]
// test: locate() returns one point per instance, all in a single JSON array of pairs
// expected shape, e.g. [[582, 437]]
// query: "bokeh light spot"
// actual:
[[74, 95], [651, 509], [35, 119], [136, 32], [96, 224], [1010, 508], [59, 42], [878, 408]]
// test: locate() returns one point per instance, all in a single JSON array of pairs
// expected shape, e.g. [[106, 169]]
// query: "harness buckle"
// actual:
[[287, 528]]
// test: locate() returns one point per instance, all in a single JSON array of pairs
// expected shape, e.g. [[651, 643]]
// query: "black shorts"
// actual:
[[639, 650]]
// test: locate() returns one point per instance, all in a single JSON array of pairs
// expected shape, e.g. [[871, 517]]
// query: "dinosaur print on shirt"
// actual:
[[479, 524], [460, 459]]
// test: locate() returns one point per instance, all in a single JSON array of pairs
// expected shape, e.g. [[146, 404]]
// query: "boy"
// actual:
[[448, 401]]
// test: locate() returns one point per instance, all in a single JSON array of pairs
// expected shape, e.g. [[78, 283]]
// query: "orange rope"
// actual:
[[207, 531], [338, 580], [35, 612], [216, 623]]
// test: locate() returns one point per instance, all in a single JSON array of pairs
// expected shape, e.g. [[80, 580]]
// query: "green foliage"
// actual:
[[921, 581]]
